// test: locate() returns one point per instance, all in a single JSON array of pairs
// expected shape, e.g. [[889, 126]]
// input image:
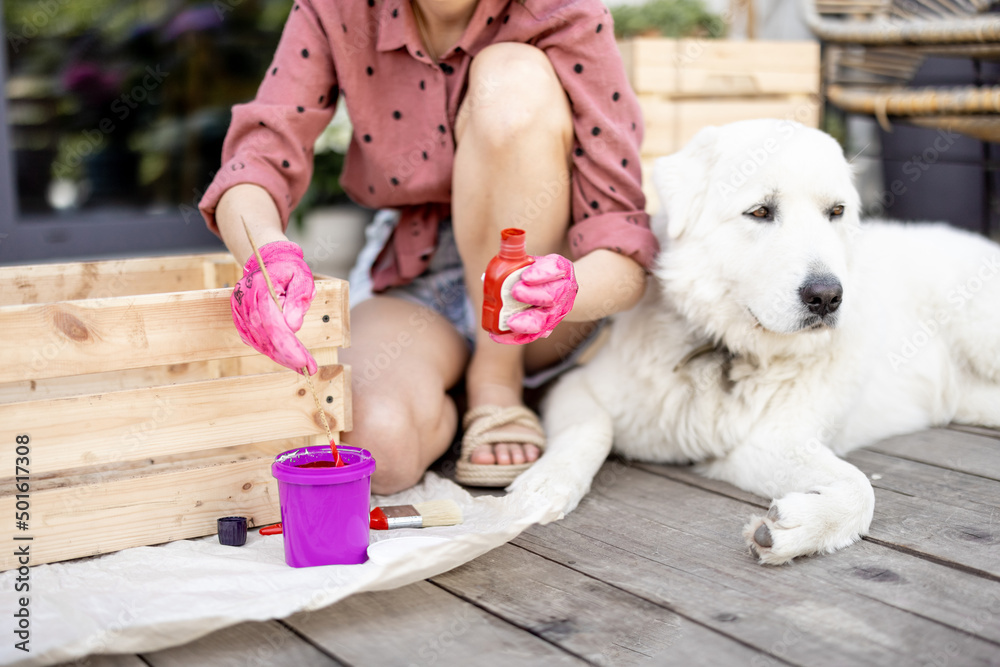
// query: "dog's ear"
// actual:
[[680, 181]]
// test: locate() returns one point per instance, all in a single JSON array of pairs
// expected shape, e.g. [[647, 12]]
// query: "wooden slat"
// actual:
[[941, 487], [44, 283], [939, 524], [720, 68], [221, 271], [913, 583], [651, 65], [421, 624], [258, 363], [733, 68], [975, 430], [585, 616], [671, 124], [95, 383], [150, 376], [114, 513], [118, 426], [154, 465], [254, 643], [680, 546], [947, 448], [95, 336]]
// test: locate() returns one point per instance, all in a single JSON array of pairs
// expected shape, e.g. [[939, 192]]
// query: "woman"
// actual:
[[469, 116]]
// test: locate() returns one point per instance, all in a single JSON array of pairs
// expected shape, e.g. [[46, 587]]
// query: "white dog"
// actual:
[[777, 332]]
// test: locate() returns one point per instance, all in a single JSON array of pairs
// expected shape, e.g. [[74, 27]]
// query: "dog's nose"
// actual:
[[821, 295]]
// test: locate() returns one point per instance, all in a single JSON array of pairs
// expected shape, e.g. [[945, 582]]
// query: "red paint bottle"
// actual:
[[501, 274]]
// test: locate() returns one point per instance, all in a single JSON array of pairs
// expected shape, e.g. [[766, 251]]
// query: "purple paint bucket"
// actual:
[[324, 511]]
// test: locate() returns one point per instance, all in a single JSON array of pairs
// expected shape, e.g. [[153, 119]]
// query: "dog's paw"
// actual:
[[800, 524]]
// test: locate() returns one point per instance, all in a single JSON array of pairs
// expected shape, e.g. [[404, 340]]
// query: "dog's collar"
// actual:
[[699, 351]]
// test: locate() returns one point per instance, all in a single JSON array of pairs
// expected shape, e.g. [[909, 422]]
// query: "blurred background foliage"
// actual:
[[125, 103], [667, 18]]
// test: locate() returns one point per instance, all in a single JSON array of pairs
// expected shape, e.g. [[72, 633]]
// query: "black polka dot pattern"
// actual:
[[591, 105]]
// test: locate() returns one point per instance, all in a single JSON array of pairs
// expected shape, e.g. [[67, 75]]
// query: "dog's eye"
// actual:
[[761, 213], [837, 211]]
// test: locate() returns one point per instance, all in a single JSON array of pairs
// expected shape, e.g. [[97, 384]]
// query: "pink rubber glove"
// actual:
[[548, 285], [260, 323]]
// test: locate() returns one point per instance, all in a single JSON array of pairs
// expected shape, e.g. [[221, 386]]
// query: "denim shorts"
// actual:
[[441, 288]]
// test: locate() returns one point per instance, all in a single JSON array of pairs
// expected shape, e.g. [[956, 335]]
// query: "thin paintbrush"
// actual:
[[305, 371], [417, 515]]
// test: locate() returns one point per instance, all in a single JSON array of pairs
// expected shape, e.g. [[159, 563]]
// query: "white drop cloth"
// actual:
[[149, 598]]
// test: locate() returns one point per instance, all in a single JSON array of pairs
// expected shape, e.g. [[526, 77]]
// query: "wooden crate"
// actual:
[[147, 418], [684, 85]]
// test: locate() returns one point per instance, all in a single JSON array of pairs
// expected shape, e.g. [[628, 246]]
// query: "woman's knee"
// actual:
[[403, 438], [383, 428], [513, 92]]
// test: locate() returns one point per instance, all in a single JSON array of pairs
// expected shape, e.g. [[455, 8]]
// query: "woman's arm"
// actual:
[[253, 204], [609, 283]]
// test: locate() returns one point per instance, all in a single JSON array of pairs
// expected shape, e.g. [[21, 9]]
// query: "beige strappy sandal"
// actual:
[[484, 426]]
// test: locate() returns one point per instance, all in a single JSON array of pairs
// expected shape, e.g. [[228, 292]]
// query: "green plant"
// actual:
[[668, 18]]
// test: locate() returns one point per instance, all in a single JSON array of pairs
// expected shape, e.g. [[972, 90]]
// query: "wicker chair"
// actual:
[[873, 49]]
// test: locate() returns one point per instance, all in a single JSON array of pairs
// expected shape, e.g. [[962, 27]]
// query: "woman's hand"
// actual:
[[549, 286], [259, 321]]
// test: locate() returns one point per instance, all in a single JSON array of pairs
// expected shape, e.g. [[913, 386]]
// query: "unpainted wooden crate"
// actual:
[[684, 85], [144, 416]]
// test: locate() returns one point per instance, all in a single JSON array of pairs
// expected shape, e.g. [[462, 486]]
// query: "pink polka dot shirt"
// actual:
[[403, 105]]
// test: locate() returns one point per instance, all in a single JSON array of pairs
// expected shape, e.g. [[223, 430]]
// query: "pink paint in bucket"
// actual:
[[324, 511]]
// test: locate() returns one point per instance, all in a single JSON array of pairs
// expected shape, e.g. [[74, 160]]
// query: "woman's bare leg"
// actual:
[[514, 134], [403, 359]]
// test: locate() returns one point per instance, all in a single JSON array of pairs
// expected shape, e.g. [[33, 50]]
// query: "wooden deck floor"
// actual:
[[651, 569]]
